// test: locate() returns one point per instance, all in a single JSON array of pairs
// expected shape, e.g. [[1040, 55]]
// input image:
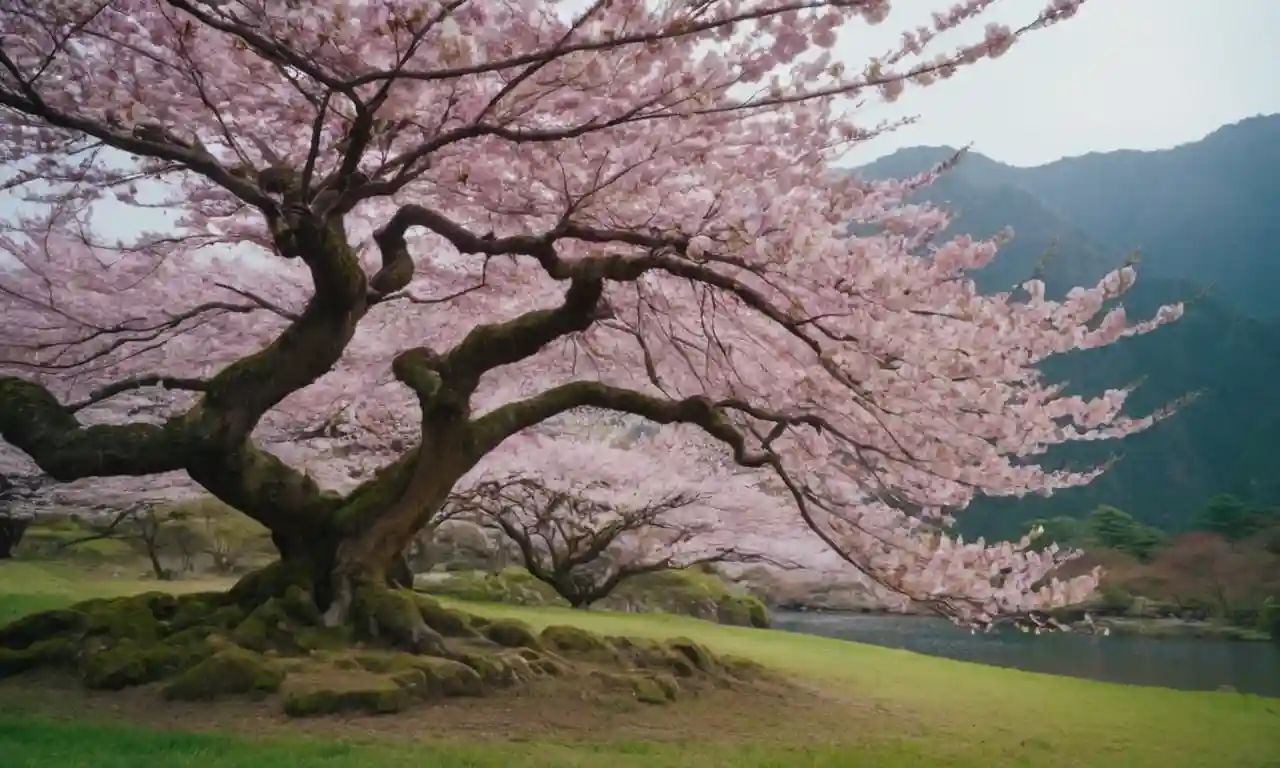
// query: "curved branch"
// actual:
[[491, 345], [501, 423], [35, 422], [128, 385]]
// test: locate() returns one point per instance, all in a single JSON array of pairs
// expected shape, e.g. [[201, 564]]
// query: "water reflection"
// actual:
[[1185, 664]]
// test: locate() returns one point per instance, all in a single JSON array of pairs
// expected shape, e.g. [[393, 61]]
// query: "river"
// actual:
[[1171, 663]]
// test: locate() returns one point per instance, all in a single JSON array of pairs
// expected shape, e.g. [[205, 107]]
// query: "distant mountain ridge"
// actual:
[[1204, 215]]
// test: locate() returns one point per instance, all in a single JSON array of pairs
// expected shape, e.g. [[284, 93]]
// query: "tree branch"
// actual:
[[127, 385], [145, 141], [35, 422], [491, 345], [503, 422]]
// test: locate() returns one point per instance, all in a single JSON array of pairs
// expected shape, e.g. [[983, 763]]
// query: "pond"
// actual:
[[1171, 663]]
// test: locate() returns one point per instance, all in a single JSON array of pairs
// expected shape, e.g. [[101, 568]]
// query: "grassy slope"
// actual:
[[903, 709]]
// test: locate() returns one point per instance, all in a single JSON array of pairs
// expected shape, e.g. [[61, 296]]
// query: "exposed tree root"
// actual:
[[267, 636]]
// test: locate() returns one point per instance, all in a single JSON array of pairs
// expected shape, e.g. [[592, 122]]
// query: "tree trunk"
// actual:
[[11, 532]]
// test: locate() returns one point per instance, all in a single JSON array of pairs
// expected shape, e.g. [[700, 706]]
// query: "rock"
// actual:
[[446, 621], [230, 671], [570, 639], [377, 697], [512, 633]]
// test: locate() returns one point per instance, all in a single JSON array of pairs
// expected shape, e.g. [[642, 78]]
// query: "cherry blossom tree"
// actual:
[[419, 229], [635, 516]]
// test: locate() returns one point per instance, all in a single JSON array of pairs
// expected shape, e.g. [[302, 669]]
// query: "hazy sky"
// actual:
[[1122, 74]]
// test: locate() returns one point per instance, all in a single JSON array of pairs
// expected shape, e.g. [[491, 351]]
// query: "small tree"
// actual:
[[138, 522], [584, 547]]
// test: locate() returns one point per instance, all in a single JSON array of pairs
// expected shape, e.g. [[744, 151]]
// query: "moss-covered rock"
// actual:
[[374, 697], [129, 617], [575, 640], [512, 633], [57, 651], [447, 621], [443, 678], [36, 627], [205, 609], [657, 688], [230, 671], [698, 656], [128, 663], [490, 669]]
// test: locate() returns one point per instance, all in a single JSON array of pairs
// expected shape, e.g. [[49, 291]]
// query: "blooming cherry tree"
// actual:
[[412, 231], [635, 515]]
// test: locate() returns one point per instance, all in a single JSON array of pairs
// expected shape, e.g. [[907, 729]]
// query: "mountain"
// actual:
[[1205, 219]]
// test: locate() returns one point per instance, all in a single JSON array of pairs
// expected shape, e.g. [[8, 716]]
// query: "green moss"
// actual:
[[266, 627], [129, 617], [570, 639], [308, 639], [512, 633], [52, 652], [271, 581], [200, 608], [299, 603], [377, 494], [129, 663], [379, 697], [445, 677], [447, 621], [699, 657], [489, 668], [514, 586], [230, 671], [742, 611], [394, 617], [41, 626], [743, 668]]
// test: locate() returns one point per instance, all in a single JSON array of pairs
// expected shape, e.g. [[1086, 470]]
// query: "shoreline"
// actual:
[[1129, 626]]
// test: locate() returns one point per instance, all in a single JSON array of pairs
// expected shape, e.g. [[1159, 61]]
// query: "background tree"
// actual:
[[138, 522], [1205, 570], [431, 232], [1233, 519], [1116, 529], [584, 548]]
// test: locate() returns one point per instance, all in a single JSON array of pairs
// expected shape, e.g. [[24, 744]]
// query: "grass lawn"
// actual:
[[868, 706]]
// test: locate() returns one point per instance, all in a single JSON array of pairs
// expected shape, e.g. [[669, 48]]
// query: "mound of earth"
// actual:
[[257, 641]]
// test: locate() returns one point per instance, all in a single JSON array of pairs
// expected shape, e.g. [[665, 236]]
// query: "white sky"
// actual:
[[1122, 74]]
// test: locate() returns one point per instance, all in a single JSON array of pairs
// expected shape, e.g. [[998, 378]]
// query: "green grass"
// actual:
[[900, 709]]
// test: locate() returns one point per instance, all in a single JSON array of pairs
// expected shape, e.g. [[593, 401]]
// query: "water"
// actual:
[[1170, 663]]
